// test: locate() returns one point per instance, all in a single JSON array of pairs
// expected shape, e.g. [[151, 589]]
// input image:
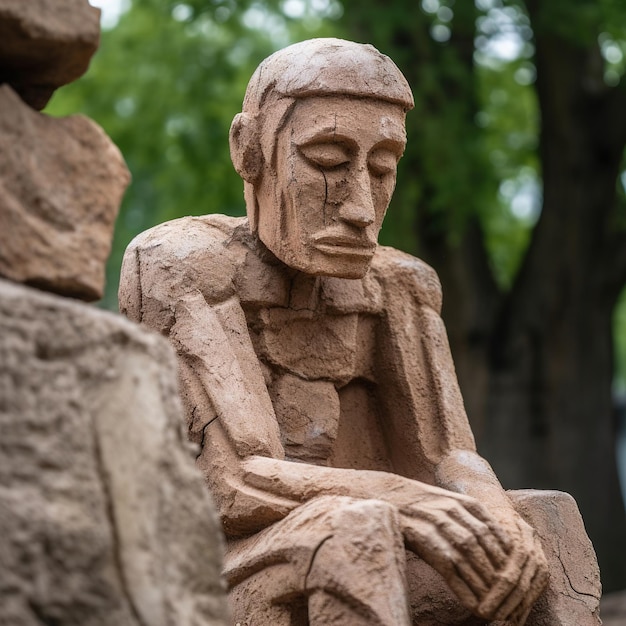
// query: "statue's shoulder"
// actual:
[[402, 273], [185, 237], [172, 259]]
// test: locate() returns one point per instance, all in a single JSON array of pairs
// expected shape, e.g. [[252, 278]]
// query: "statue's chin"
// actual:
[[352, 264]]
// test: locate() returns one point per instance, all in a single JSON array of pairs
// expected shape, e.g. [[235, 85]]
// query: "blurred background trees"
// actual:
[[512, 187]]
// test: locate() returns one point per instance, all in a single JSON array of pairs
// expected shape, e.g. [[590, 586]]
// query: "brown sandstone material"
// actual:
[[574, 589], [44, 45], [317, 377], [61, 184], [103, 518]]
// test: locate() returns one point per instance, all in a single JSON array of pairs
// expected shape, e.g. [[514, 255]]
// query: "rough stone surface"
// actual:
[[103, 517], [317, 377], [61, 184], [574, 590], [44, 45]]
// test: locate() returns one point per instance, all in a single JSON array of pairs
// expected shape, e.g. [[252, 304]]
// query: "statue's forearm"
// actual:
[[466, 472], [303, 482]]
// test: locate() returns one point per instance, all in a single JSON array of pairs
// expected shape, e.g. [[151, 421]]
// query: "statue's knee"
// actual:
[[361, 534], [366, 520], [574, 589]]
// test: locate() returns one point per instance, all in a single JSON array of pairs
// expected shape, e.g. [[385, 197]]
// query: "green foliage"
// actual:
[[444, 177], [473, 133], [509, 117]]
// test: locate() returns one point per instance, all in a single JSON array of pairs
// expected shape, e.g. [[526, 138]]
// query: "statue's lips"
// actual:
[[348, 246]]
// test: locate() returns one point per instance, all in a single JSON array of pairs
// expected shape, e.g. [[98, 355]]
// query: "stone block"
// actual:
[[61, 184], [574, 590], [44, 45]]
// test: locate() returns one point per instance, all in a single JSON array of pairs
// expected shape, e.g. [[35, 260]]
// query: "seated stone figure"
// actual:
[[318, 380]]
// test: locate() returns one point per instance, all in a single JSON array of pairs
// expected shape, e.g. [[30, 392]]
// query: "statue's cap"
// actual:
[[328, 66]]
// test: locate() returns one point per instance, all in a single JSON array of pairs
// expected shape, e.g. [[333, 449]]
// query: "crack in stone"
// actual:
[[325, 194], [204, 429], [317, 549], [139, 283], [556, 515]]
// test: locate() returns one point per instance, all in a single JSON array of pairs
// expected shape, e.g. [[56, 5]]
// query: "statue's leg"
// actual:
[[573, 593], [333, 561], [362, 561]]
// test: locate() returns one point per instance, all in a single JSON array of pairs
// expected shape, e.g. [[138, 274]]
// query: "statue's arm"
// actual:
[[421, 395], [432, 412]]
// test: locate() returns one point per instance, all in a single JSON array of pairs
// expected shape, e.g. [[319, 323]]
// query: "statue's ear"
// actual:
[[245, 148]]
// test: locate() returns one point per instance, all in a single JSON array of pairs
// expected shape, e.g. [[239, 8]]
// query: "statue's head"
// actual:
[[317, 144]]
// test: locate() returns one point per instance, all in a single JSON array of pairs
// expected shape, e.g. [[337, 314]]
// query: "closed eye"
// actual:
[[325, 155], [382, 161]]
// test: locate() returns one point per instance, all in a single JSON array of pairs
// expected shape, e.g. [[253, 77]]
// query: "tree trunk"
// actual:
[[549, 420]]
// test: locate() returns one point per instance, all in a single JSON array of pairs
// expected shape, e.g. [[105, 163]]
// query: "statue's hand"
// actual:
[[459, 538], [519, 583], [497, 572]]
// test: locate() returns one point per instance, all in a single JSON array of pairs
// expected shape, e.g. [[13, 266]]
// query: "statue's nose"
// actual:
[[358, 208]]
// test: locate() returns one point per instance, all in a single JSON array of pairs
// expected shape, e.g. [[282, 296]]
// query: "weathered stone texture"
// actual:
[[61, 184], [574, 590], [44, 45], [103, 518]]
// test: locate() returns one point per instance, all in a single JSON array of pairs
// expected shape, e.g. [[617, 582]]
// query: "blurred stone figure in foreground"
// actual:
[[104, 519], [317, 377]]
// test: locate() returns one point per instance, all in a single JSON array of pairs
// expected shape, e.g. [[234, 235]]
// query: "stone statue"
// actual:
[[317, 376]]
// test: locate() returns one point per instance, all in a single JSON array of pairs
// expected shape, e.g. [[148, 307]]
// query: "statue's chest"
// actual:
[[313, 346], [318, 368]]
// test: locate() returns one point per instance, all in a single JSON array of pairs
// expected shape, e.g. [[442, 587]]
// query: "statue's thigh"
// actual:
[[269, 596]]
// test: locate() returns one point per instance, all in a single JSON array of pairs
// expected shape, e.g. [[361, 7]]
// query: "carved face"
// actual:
[[323, 199]]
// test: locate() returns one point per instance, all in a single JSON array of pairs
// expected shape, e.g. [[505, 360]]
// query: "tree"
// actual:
[[534, 357]]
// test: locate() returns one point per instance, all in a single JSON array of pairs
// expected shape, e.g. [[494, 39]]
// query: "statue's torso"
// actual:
[[343, 360], [318, 355]]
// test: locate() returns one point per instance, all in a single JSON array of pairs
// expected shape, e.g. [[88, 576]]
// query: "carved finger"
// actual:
[[535, 574], [535, 588], [521, 597], [427, 541], [520, 615], [507, 579], [458, 586], [481, 513], [471, 552], [488, 540]]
